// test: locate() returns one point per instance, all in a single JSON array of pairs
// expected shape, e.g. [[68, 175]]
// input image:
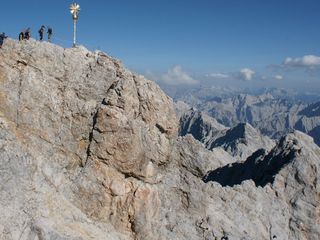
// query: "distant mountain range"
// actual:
[[273, 115], [205, 93]]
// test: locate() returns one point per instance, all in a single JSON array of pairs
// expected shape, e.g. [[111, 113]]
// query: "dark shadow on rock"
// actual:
[[236, 173], [259, 167], [313, 110], [232, 135], [192, 125]]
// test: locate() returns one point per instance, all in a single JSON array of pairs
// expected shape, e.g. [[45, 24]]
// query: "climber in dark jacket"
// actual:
[[27, 34], [21, 36], [49, 33], [2, 38], [41, 32]]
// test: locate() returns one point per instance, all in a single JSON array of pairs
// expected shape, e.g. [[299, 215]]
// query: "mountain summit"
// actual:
[[90, 150]]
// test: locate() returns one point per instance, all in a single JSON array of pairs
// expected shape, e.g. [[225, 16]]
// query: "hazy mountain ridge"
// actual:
[[206, 93], [90, 150], [273, 116]]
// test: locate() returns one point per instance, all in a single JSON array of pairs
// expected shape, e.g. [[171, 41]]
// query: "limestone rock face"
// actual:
[[84, 125], [89, 150]]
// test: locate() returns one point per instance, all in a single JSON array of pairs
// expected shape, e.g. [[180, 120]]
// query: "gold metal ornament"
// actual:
[[74, 10]]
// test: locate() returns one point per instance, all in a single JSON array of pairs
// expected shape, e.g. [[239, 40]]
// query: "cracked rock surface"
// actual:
[[90, 150]]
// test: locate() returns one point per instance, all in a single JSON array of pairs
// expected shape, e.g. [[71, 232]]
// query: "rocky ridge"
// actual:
[[200, 126], [89, 150], [240, 141], [274, 116]]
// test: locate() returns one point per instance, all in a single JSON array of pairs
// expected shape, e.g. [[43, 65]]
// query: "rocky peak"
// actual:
[[199, 125], [58, 94], [290, 172], [262, 167], [242, 130], [83, 123], [89, 150], [240, 141]]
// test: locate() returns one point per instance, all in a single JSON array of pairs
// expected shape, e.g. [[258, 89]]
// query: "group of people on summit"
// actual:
[[26, 35], [42, 31]]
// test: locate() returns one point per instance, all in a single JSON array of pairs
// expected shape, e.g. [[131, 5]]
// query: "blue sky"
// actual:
[[216, 41]]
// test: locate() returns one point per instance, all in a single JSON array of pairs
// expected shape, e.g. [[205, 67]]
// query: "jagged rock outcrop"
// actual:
[[274, 116], [292, 168], [240, 141], [89, 150], [202, 127]]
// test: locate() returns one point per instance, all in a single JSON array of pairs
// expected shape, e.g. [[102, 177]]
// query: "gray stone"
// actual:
[[89, 150]]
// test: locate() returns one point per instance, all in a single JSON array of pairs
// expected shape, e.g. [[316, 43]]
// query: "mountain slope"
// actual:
[[200, 126], [89, 150], [87, 124]]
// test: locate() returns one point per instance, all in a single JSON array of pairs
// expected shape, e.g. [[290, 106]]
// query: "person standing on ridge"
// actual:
[[21, 36], [2, 38], [41, 32], [27, 34], [49, 34]]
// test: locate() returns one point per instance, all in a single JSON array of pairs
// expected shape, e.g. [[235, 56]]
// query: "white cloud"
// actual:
[[218, 75], [278, 77], [177, 76], [309, 61], [247, 74]]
